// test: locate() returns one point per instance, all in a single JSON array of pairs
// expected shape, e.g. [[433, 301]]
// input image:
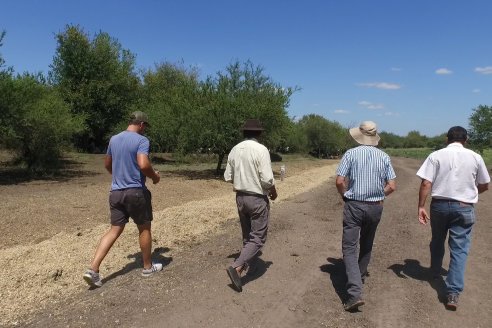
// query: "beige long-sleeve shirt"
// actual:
[[249, 168]]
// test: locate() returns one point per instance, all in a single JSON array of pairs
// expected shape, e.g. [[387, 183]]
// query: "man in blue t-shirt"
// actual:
[[127, 160]]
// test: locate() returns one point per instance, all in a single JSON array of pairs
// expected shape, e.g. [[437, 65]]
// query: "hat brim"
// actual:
[[364, 139], [252, 129]]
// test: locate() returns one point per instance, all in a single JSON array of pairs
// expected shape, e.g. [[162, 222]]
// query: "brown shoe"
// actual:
[[452, 302], [353, 304]]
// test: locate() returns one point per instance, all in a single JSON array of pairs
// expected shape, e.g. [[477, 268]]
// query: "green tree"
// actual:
[[37, 124], [170, 95], [97, 79], [437, 142], [324, 137], [480, 123], [2, 61], [414, 140], [240, 93], [390, 140]]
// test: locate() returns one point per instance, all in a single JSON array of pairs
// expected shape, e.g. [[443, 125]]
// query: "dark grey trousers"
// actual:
[[360, 221], [254, 212]]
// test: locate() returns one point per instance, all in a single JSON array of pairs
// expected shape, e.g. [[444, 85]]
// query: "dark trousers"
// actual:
[[254, 212], [360, 221]]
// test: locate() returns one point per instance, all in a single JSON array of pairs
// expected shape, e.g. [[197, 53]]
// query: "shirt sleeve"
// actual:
[[427, 170], [482, 174], [390, 172], [228, 173], [344, 166], [143, 146], [265, 170]]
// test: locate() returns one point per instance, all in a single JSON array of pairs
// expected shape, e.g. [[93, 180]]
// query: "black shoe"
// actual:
[[452, 302], [353, 305], [235, 278]]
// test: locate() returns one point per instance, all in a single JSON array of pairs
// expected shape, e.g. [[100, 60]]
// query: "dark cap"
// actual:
[[139, 116], [252, 125]]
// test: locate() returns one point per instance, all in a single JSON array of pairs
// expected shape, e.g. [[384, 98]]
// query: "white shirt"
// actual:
[[249, 168], [454, 172]]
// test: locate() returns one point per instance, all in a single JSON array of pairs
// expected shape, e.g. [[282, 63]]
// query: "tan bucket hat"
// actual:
[[366, 133]]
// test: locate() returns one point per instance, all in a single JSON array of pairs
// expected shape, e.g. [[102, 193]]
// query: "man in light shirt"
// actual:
[[250, 171], [454, 176]]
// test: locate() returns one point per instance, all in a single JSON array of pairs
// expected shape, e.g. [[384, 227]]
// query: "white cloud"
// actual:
[[476, 90], [341, 111], [395, 69], [380, 85], [484, 70], [390, 114], [443, 71], [370, 105]]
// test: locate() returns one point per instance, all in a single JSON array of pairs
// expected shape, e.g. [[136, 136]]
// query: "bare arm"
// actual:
[[340, 183], [425, 188], [108, 164], [482, 187], [145, 166], [390, 187]]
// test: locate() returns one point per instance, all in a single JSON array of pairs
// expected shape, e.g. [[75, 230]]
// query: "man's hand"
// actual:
[[272, 193], [156, 178], [424, 218]]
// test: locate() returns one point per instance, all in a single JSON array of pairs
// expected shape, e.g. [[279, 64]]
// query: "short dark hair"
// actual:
[[457, 133]]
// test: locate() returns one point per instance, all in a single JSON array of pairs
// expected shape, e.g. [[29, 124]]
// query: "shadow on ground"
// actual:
[[157, 256], [336, 269], [413, 269], [11, 174]]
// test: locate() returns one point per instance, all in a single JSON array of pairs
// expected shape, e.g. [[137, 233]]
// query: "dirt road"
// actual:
[[300, 282]]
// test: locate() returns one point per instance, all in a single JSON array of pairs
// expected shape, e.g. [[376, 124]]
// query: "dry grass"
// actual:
[[186, 210]]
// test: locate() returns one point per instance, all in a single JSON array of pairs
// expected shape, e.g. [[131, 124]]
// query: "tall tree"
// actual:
[[415, 140], [97, 79], [480, 123], [170, 96], [239, 93], [37, 124], [324, 137]]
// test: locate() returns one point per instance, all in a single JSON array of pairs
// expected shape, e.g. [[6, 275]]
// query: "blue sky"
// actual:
[[407, 65]]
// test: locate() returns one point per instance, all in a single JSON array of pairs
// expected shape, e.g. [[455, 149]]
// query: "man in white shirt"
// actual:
[[454, 176], [250, 171]]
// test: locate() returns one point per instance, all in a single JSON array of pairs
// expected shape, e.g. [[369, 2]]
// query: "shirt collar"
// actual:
[[455, 144]]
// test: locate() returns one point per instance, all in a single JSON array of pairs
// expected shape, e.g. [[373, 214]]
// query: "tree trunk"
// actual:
[[219, 163]]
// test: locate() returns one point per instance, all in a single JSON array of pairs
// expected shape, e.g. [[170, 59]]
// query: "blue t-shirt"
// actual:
[[123, 149]]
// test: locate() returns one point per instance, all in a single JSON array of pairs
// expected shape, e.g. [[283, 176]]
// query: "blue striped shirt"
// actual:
[[367, 170]]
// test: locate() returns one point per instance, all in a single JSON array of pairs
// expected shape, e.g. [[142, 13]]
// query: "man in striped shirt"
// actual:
[[364, 177]]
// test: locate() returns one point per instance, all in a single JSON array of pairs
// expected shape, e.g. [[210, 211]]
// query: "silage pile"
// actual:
[[33, 276]]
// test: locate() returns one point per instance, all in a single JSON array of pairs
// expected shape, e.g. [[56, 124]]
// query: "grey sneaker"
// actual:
[[156, 267], [93, 278]]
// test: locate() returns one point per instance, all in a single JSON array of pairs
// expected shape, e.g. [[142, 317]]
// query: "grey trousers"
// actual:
[[360, 221], [254, 212]]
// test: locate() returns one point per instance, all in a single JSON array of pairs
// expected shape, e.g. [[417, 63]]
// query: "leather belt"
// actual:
[[379, 202], [441, 200]]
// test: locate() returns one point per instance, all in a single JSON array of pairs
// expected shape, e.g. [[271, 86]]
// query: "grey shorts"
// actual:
[[132, 202]]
